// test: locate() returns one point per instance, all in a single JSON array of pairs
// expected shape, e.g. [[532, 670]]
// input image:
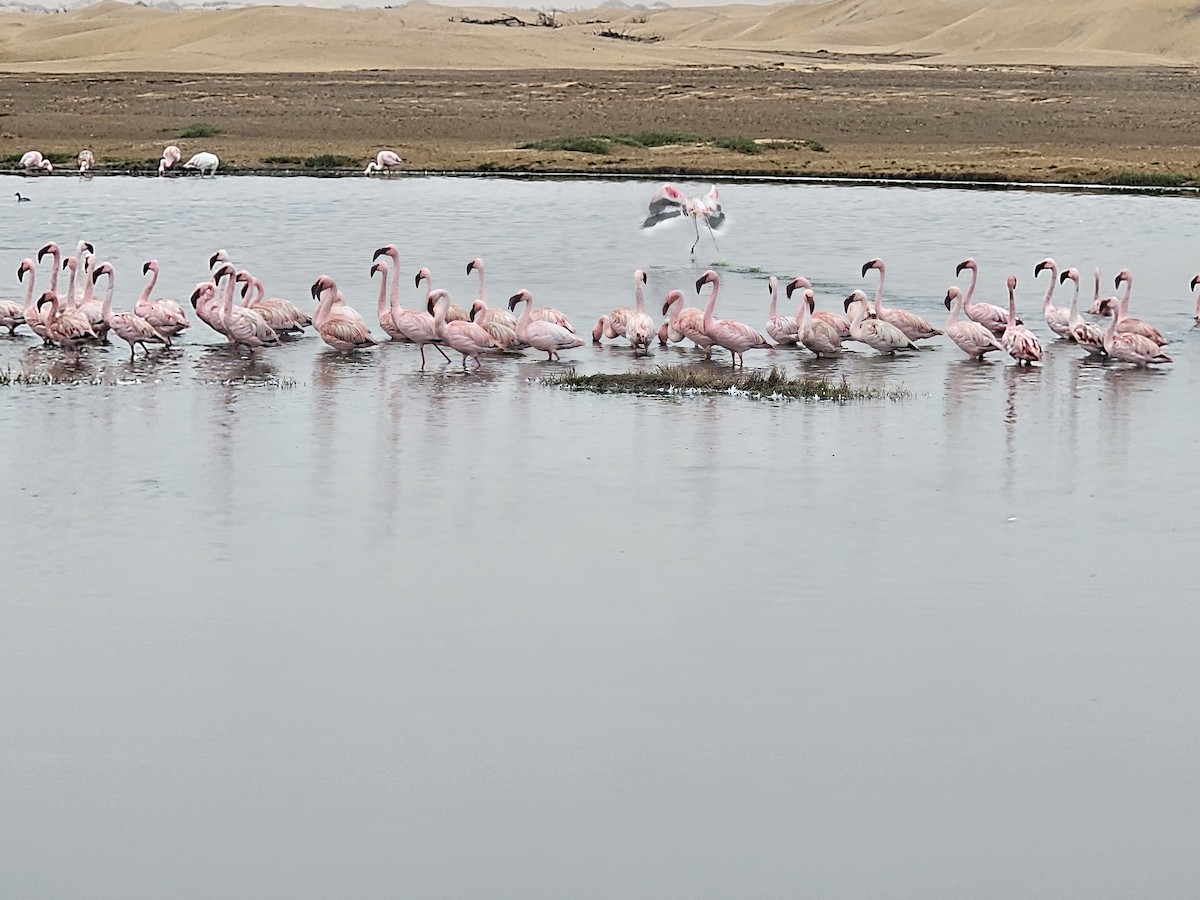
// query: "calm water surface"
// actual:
[[311, 626]]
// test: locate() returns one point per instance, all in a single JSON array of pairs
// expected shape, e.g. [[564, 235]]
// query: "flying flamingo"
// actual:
[[206, 162], [384, 160], [639, 329], [1129, 325], [1085, 334], [86, 160], [32, 161], [783, 330], [69, 330], [669, 202], [341, 328], [282, 315], [1129, 346], [454, 312], [171, 155], [992, 317], [549, 337], [875, 333], [686, 322], [467, 338], [1058, 318], [972, 338], [914, 327], [736, 337], [818, 335], [1196, 281], [1020, 343], [129, 326], [165, 315]]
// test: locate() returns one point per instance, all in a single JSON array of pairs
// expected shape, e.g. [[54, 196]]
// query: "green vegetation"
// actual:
[[329, 161], [655, 138], [200, 130], [761, 384], [1135, 178], [570, 144], [738, 145], [283, 160]]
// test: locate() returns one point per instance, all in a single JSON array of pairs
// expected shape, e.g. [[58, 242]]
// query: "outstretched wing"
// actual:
[[713, 212], [668, 202]]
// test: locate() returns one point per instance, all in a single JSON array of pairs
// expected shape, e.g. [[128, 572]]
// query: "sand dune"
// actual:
[[114, 37]]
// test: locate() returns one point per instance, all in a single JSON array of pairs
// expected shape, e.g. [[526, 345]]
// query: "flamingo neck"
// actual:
[[482, 295], [54, 271], [324, 305], [381, 303], [145, 294], [802, 314], [526, 313], [640, 300], [1073, 316], [29, 288], [1012, 308], [879, 291], [775, 299], [1096, 279], [1125, 296], [711, 304], [971, 288], [1050, 290], [955, 309], [395, 275], [89, 286], [71, 282], [106, 306]]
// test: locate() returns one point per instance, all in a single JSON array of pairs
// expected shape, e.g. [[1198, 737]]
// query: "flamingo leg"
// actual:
[[712, 234], [696, 223], [441, 351]]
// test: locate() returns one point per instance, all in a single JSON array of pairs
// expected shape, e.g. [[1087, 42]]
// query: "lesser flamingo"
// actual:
[[1020, 343], [541, 334], [734, 336], [972, 338], [914, 327]]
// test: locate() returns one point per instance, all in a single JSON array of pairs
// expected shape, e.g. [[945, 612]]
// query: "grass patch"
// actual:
[[200, 130], [328, 161], [10, 378], [570, 144], [761, 384], [655, 138], [1134, 178], [737, 145], [283, 160]]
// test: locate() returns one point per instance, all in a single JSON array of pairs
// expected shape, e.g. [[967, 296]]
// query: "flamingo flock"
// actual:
[[205, 162], [234, 303]]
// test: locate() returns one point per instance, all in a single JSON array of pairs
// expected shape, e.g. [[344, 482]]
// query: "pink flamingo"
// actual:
[[549, 337], [384, 160], [1196, 281], [1085, 334], [32, 161], [669, 202], [86, 160], [639, 328], [165, 316], [68, 329], [89, 305], [992, 317], [1058, 318], [914, 327], [687, 323], [1126, 324], [31, 314], [481, 313], [204, 301], [1020, 343], [783, 330], [282, 315], [12, 313], [818, 335], [129, 326], [736, 337], [875, 333], [454, 312], [467, 338], [244, 327], [416, 325], [1129, 346], [341, 328], [382, 310], [972, 338], [68, 308], [171, 155]]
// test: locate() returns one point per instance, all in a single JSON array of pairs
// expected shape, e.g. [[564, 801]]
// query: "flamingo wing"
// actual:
[[668, 202]]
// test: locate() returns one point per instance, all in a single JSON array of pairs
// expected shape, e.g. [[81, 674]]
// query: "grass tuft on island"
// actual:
[[760, 384]]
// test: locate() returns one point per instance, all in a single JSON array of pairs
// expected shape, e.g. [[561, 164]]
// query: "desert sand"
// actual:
[[1081, 90]]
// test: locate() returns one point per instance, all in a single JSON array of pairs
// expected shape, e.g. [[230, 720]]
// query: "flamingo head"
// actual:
[[476, 263], [102, 269], [70, 263], [709, 277], [968, 263], [322, 284], [1195, 280], [219, 256], [423, 274], [433, 298], [84, 245], [811, 299], [952, 295], [639, 275], [203, 289], [1107, 306], [223, 272], [518, 297], [47, 165], [151, 265], [1071, 273], [1046, 263], [1012, 283], [47, 297], [243, 276], [798, 282], [379, 267], [664, 334], [875, 263], [27, 266], [1123, 276], [49, 248], [672, 298], [383, 251], [855, 297], [476, 308]]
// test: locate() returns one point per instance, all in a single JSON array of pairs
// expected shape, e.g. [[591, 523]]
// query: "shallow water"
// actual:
[[314, 626]]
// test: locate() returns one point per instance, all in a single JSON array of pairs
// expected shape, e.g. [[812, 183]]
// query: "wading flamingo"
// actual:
[[68, 329], [34, 161], [342, 328], [972, 338], [669, 202], [86, 160], [914, 327], [1058, 318], [164, 314], [992, 317], [875, 333], [33, 317], [384, 160], [171, 155], [547, 336], [382, 308], [736, 337], [415, 324], [454, 312], [1020, 343], [818, 335], [783, 330], [1129, 325], [129, 326], [1129, 347], [205, 162], [282, 315], [466, 338], [639, 328], [244, 327], [481, 313], [12, 313], [89, 304], [1088, 336], [686, 322]]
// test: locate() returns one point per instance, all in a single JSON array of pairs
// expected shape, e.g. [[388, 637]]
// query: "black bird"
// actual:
[[21, 199]]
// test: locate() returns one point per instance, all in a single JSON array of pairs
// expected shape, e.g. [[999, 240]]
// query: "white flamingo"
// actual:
[[32, 161], [86, 160], [383, 162], [205, 162], [875, 333], [1088, 336], [1058, 318]]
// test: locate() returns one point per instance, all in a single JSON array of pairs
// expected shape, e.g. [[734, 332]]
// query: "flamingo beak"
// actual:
[[470, 267], [374, 268], [66, 264], [1062, 279], [474, 309], [947, 301], [96, 275], [1195, 281], [1037, 270], [43, 252], [212, 260], [645, 280], [513, 301], [378, 253], [846, 305], [315, 290], [791, 287], [958, 269], [42, 301], [867, 267], [90, 248], [146, 268], [195, 296], [429, 306], [1117, 281], [700, 282], [417, 280]]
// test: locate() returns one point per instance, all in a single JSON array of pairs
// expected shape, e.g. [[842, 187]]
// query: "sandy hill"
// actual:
[[113, 37]]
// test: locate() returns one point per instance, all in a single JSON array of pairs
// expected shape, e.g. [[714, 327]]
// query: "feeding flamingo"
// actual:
[[736, 337], [33, 161], [1020, 343], [129, 326], [1058, 318], [1129, 346], [384, 160], [1126, 323], [341, 328], [669, 202], [86, 160], [875, 333], [992, 317], [914, 327], [1085, 334], [818, 335], [467, 338], [972, 338], [170, 155], [541, 334], [205, 162], [783, 330]]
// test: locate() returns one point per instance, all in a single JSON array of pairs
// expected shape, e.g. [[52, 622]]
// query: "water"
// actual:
[[310, 626]]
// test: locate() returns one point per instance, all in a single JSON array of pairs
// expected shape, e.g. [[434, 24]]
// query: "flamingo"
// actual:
[[875, 333], [341, 328], [1129, 325], [1058, 318], [32, 315], [129, 326], [783, 330], [12, 313], [481, 313], [170, 155], [687, 323], [282, 315], [89, 305], [166, 316], [669, 202], [541, 334], [1020, 343], [384, 159], [972, 338], [467, 338], [639, 328], [734, 336], [68, 310], [86, 160], [914, 327], [1129, 346], [416, 325], [244, 327], [68, 329], [454, 313], [32, 161], [992, 317], [1196, 281], [204, 301], [612, 324], [818, 335], [382, 311], [1085, 334], [206, 162]]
